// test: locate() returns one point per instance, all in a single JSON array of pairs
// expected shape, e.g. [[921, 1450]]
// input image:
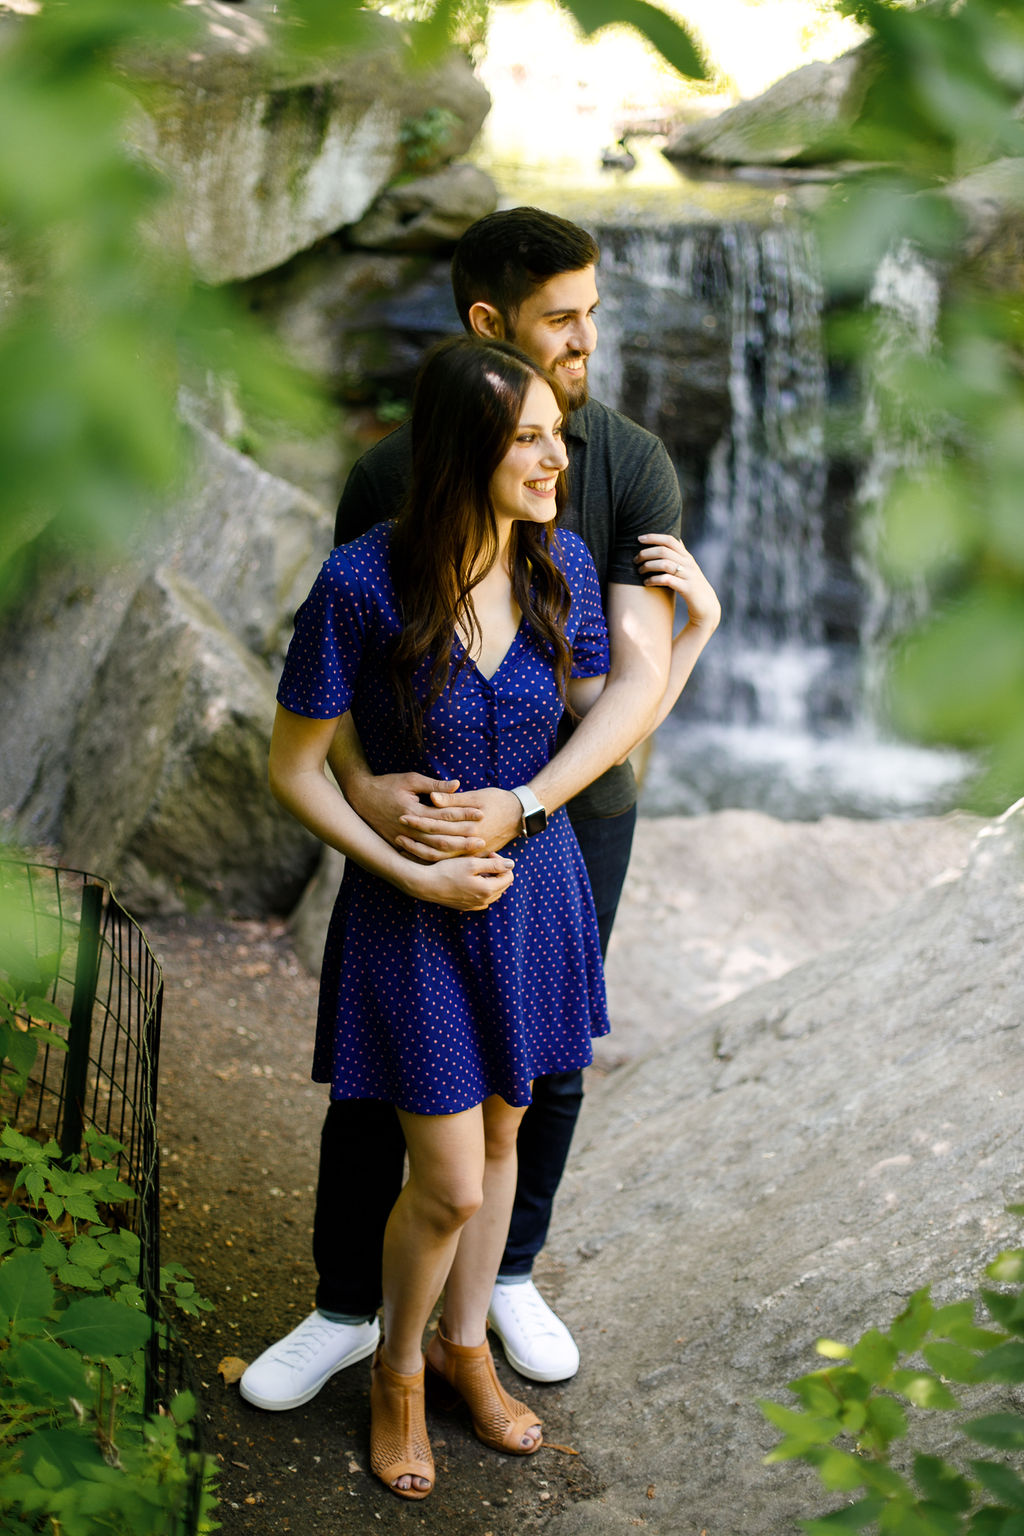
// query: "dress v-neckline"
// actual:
[[488, 677]]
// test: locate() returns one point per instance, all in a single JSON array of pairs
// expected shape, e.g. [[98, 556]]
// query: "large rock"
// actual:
[[168, 793], [428, 213], [793, 1165], [269, 157], [248, 544], [800, 118]]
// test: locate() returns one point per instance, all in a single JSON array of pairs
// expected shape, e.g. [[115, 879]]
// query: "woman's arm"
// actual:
[[298, 752]]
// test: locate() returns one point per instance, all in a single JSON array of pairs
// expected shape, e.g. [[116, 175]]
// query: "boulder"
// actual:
[[792, 1165], [167, 794], [428, 213], [247, 543], [269, 155], [799, 119]]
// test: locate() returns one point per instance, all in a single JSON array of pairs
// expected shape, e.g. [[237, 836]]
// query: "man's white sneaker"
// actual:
[[536, 1342], [294, 1369]]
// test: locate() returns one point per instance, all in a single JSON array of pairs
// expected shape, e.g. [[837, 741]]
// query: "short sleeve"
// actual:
[[326, 649], [589, 632], [649, 503]]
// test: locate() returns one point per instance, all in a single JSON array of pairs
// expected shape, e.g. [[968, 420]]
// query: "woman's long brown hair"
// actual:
[[466, 409]]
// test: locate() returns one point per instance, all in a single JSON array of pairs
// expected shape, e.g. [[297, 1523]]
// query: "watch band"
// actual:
[[535, 817]]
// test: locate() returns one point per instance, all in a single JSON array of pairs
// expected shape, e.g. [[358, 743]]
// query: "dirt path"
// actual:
[[712, 907]]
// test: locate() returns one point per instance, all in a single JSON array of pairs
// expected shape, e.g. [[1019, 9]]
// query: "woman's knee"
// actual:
[[447, 1204]]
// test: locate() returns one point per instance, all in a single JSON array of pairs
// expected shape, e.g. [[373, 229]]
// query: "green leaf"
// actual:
[[1003, 1363], [952, 1361], [1008, 1267], [908, 1331], [853, 1518], [26, 1291], [56, 1371], [839, 1470], [1003, 1481], [886, 1418], [873, 1356], [941, 1483], [1004, 1431], [810, 1429], [42, 1011], [923, 1389], [59, 1457], [1007, 1310], [102, 1328], [671, 39]]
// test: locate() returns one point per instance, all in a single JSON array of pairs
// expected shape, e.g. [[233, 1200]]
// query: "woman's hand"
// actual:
[[665, 561], [467, 884]]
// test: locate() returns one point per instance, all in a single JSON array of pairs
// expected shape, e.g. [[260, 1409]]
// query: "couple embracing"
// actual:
[[489, 640]]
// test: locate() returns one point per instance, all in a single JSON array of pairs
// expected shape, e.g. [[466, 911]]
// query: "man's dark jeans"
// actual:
[[362, 1150]]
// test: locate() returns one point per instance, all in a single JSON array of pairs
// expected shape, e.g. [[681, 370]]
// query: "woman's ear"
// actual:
[[486, 321]]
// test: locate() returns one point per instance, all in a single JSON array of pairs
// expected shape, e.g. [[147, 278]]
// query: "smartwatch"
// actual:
[[535, 817]]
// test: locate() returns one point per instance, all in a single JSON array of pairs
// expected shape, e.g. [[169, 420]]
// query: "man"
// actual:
[[528, 277]]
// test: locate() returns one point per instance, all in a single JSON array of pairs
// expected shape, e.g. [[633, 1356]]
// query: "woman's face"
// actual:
[[523, 485]]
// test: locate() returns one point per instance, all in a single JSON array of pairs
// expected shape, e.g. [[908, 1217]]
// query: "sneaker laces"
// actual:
[[530, 1310], [304, 1343]]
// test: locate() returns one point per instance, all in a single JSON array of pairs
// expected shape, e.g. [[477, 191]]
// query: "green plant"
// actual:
[[858, 1409], [78, 1454], [27, 1015], [425, 138]]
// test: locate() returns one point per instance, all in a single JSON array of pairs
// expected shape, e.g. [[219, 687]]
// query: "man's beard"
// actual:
[[577, 390]]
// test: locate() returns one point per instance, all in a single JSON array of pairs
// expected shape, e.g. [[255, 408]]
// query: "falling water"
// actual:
[[711, 336]]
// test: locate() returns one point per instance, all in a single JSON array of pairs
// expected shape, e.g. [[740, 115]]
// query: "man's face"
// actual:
[[555, 326]]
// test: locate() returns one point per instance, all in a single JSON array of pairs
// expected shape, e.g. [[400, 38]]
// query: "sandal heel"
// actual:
[[399, 1446], [499, 1420]]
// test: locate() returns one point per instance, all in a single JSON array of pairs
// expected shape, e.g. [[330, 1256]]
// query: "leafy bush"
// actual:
[[855, 1411], [78, 1455]]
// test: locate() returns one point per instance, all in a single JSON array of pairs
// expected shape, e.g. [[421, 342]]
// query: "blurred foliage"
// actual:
[[944, 101], [855, 1413], [100, 320]]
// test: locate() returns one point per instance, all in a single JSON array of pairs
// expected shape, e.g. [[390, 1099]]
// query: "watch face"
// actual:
[[535, 820]]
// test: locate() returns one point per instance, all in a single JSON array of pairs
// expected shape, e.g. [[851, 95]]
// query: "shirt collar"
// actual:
[[576, 426]]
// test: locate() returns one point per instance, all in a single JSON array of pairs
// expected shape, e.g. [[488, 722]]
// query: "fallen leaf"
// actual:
[[231, 1369], [550, 1445]]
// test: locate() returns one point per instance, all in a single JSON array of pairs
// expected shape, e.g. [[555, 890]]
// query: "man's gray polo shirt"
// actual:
[[621, 484]]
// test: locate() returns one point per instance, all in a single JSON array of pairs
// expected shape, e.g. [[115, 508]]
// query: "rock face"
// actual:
[[144, 697], [794, 1164], [429, 213], [266, 159], [798, 119]]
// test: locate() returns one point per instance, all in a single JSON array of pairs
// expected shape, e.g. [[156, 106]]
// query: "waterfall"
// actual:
[[711, 336]]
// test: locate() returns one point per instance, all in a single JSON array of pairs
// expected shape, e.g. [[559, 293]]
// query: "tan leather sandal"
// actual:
[[398, 1431], [498, 1420]]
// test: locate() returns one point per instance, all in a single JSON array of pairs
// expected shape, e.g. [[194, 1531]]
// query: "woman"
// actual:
[[456, 635]]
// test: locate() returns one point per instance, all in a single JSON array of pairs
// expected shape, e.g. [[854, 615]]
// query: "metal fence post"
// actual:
[[80, 1016]]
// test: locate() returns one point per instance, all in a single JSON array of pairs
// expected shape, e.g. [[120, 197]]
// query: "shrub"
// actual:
[[856, 1410]]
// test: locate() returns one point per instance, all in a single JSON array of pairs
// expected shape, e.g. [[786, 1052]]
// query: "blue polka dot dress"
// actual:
[[422, 1006]]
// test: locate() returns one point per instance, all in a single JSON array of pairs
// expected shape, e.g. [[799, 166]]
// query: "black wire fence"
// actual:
[[106, 981]]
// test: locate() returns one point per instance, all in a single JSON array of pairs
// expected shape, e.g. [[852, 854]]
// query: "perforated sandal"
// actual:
[[498, 1419], [398, 1431]]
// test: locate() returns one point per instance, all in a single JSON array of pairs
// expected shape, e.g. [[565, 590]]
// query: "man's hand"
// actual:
[[489, 818], [390, 803]]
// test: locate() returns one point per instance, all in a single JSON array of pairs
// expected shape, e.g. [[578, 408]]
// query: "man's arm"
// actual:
[[640, 632], [385, 800]]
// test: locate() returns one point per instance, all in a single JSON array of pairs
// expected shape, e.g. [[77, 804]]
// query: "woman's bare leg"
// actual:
[[467, 1292], [443, 1190]]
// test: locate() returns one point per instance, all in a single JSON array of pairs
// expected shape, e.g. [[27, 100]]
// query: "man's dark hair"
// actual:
[[502, 258]]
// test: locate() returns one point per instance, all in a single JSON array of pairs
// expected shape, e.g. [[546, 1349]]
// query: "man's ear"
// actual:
[[486, 321]]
